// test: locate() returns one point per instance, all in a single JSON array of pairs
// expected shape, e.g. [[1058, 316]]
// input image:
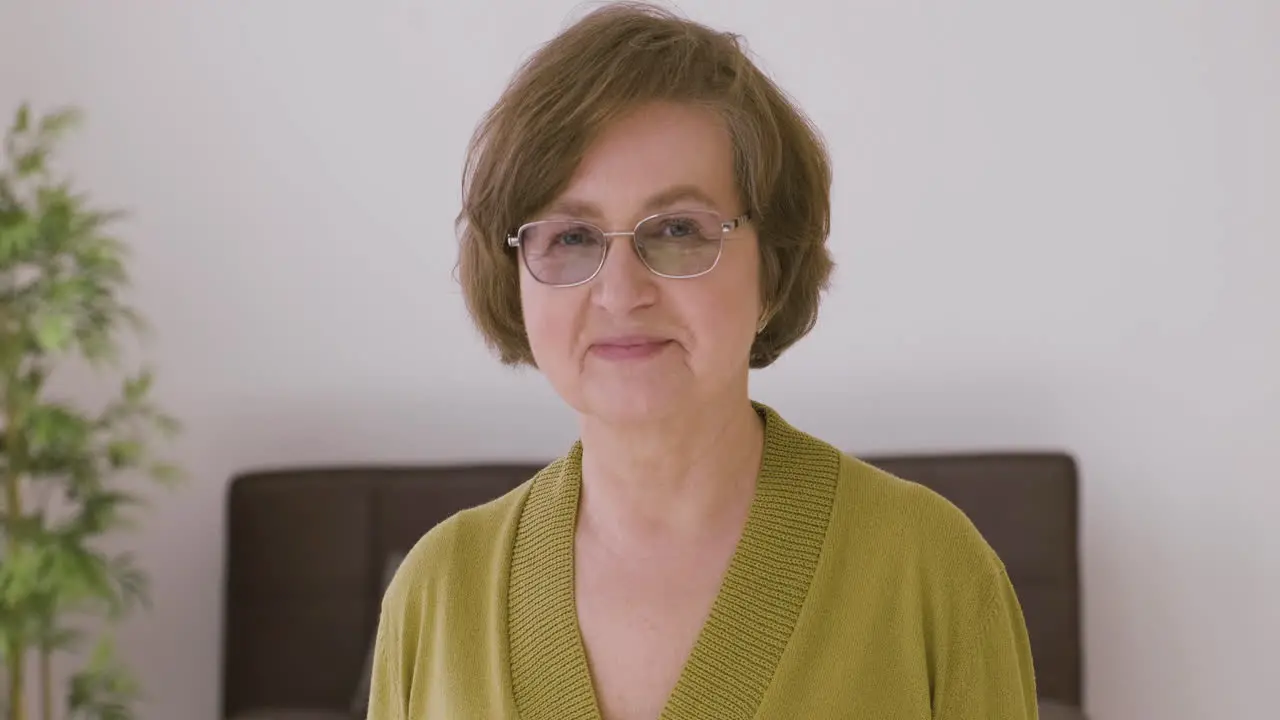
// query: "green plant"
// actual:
[[66, 472]]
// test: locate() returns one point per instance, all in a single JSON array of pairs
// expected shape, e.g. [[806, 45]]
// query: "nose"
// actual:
[[624, 283]]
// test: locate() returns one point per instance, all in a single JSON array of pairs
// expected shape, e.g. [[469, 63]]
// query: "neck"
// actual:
[[683, 476]]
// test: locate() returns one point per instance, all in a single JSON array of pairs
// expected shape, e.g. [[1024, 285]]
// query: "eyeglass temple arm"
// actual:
[[735, 223]]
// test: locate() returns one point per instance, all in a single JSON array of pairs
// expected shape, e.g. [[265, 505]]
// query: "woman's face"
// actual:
[[630, 345]]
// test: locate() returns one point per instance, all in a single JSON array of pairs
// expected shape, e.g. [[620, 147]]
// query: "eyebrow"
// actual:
[[659, 201]]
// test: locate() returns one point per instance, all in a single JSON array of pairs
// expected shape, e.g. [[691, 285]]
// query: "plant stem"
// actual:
[[46, 684], [13, 502]]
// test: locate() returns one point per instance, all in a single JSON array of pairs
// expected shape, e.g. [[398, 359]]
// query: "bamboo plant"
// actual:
[[71, 476]]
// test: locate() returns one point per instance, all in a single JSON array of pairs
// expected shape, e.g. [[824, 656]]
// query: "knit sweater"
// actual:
[[852, 593]]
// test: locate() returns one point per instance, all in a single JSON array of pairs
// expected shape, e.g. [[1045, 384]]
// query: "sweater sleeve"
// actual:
[[991, 675], [387, 696]]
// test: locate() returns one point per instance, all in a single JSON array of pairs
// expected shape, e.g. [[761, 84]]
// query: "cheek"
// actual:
[[547, 324], [725, 315], [534, 312], [742, 285], [733, 324]]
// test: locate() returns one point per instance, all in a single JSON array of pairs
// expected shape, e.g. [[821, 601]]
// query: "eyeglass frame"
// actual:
[[726, 227]]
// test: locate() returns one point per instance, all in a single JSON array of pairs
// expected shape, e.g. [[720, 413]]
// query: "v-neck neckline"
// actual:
[[751, 620]]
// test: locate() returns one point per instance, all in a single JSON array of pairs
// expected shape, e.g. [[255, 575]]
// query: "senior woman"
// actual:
[[644, 221]]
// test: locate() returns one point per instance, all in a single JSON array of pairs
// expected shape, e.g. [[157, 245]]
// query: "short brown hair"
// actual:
[[527, 147]]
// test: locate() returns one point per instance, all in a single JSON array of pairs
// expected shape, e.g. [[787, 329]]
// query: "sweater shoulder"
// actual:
[[459, 551], [917, 524], [927, 564]]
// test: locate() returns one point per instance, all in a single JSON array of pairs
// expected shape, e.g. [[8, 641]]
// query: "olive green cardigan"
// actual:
[[852, 593]]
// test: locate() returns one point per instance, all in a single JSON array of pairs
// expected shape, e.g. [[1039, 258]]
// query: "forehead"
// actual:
[[656, 157]]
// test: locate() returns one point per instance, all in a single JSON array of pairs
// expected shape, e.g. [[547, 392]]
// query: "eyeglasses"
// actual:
[[675, 245]]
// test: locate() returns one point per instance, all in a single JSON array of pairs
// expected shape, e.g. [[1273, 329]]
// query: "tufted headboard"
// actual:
[[306, 550]]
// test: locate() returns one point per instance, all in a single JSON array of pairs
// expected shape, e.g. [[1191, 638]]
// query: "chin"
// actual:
[[633, 403]]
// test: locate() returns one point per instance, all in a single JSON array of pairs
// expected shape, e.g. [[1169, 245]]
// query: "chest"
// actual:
[[640, 619]]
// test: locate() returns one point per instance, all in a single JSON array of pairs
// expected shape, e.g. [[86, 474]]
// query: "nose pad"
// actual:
[[622, 252], [624, 281]]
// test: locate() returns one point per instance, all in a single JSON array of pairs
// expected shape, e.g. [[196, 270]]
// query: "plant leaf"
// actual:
[[54, 332], [16, 239], [23, 119], [60, 121], [124, 453], [137, 387], [167, 474]]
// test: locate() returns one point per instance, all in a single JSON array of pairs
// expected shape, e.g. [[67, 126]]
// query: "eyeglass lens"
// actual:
[[565, 252]]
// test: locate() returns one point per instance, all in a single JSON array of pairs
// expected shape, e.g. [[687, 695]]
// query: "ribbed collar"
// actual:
[[753, 616]]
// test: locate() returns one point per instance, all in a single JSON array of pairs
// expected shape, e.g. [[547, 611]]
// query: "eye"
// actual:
[[574, 237], [681, 227]]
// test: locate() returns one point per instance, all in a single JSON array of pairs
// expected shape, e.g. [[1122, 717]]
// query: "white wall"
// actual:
[[1056, 227]]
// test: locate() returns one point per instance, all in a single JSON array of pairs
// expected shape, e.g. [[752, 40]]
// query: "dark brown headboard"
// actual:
[[306, 549]]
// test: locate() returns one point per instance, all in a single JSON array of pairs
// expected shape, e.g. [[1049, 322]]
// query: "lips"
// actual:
[[631, 347]]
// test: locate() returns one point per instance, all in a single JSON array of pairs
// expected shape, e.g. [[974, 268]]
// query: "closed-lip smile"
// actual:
[[629, 347]]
